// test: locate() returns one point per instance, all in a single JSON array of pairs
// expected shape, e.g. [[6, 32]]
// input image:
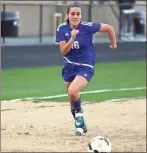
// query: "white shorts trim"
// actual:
[[77, 63]]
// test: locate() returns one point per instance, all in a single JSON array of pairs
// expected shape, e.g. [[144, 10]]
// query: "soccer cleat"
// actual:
[[85, 128], [79, 120], [80, 124], [80, 131]]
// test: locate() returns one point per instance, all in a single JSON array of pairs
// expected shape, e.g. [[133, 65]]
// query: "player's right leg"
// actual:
[[73, 111], [67, 84], [74, 93], [68, 76]]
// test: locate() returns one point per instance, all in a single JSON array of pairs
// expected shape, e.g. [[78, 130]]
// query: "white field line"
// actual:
[[122, 99], [82, 93]]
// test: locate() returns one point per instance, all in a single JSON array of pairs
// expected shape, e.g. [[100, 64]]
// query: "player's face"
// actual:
[[74, 16]]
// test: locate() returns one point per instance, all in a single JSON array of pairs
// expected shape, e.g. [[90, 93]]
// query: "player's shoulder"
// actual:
[[85, 23], [62, 26]]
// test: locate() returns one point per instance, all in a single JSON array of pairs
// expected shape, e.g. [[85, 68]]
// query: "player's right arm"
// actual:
[[65, 47]]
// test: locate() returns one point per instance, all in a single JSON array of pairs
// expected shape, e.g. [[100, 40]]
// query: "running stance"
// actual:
[[75, 41]]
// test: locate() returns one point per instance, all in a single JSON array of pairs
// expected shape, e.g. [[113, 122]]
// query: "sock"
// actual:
[[77, 105], [73, 112]]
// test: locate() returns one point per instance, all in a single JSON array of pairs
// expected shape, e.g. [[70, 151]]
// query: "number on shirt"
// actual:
[[75, 45]]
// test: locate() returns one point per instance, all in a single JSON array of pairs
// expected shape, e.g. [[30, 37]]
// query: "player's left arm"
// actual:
[[110, 30]]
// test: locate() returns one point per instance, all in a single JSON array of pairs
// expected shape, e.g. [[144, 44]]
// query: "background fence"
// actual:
[[40, 18]]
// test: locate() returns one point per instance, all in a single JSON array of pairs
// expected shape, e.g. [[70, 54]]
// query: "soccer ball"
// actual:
[[99, 144]]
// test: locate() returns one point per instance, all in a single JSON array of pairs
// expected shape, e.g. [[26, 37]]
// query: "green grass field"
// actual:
[[47, 81]]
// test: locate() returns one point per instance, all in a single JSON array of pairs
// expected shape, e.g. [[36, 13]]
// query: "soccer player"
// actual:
[[75, 41]]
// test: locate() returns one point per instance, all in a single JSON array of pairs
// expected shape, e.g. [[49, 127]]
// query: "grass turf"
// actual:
[[47, 81]]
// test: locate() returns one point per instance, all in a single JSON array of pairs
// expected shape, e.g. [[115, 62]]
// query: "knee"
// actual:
[[73, 93]]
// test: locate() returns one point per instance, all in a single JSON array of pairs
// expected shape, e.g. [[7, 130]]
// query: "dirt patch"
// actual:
[[40, 127]]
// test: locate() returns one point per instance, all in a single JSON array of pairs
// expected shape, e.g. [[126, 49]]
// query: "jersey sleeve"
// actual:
[[91, 27], [95, 27], [60, 36]]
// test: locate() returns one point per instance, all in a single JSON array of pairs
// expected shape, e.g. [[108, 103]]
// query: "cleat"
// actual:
[[80, 131], [85, 128], [79, 120], [80, 124], [77, 133]]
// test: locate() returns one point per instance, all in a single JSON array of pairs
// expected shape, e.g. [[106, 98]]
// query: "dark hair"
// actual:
[[75, 4]]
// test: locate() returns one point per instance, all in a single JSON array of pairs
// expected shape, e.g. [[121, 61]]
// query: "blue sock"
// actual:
[[73, 112], [77, 105]]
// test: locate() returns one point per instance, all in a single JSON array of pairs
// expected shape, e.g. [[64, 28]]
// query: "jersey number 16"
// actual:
[[75, 45]]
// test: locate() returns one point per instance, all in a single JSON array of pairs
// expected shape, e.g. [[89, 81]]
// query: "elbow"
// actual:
[[63, 52], [110, 28]]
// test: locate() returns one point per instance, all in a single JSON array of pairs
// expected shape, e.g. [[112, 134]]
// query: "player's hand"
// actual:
[[74, 32], [113, 46]]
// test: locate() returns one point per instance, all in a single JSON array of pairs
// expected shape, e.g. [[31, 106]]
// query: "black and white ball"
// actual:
[[99, 144]]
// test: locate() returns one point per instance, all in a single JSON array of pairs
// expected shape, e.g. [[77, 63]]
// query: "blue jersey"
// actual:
[[82, 51]]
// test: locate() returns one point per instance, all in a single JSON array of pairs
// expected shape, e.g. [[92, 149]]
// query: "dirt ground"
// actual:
[[48, 127]]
